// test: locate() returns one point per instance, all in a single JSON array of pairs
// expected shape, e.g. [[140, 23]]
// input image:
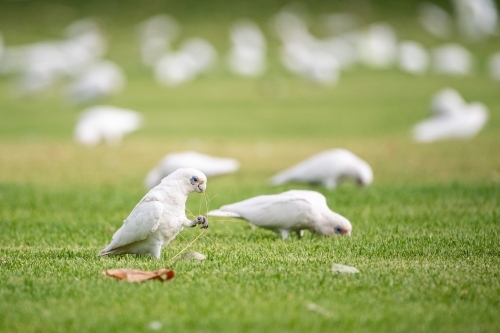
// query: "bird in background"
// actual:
[[105, 123], [328, 168], [287, 212], [452, 118], [159, 216], [211, 166]]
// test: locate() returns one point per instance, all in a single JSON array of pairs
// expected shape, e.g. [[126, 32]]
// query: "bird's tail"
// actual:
[[223, 213]]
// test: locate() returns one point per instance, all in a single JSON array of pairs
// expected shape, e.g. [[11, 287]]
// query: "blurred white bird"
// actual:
[[155, 36], [435, 19], [477, 19], [453, 119], [100, 79], [494, 66], [209, 165], [291, 211], [328, 168], [194, 57], [413, 57], [452, 59], [105, 123], [159, 216], [378, 46], [42, 64], [447, 101], [247, 56]]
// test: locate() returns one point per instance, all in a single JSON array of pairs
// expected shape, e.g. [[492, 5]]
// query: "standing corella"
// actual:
[[295, 210], [328, 168], [159, 216]]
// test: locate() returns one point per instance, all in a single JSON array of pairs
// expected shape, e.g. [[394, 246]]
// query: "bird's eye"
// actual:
[[194, 180], [337, 230]]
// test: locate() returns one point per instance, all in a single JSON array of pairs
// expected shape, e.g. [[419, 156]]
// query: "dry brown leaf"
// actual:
[[137, 275]]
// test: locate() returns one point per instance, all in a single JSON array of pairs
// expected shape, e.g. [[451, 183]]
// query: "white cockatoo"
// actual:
[[477, 19], [452, 118], [452, 59], [105, 123], [447, 101], [413, 57], [194, 57], [291, 211], [464, 124], [100, 79], [247, 56], [159, 216], [378, 46], [435, 19], [155, 36], [211, 166], [328, 168]]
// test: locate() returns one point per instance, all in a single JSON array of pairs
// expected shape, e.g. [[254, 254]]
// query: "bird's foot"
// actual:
[[200, 220]]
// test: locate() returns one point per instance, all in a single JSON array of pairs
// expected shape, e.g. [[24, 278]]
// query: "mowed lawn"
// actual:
[[425, 233]]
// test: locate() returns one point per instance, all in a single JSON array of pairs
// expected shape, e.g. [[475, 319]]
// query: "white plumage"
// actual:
[[461, 125], [291, 211], [105, 123], [378, 46], [247, 56], [100, 79], [435, 19], [195, 56], [452, 59], [453, 118], [159, 216], [211, 166], [413, 57], [328, 168]]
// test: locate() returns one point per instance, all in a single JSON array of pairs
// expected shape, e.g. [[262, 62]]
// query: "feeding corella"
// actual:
[[453, 119], [159, 216], [328, 168], [211, 166], [291, 211], [452, 59], [105, 123]]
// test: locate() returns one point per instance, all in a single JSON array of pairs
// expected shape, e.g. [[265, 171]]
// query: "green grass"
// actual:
[[425, 234]]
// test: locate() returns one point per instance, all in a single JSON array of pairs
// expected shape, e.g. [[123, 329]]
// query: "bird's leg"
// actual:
[[200, 220], [284, 234], [300, 233]]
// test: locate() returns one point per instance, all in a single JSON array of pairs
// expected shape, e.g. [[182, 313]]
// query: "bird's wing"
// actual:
[[314, 169], [281, 211], [143, 220]]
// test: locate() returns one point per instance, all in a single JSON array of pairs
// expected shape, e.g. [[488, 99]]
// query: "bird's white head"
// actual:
[[192, 179], [334, 224]]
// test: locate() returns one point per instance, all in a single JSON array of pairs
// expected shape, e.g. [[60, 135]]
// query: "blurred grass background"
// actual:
[[425, 233]]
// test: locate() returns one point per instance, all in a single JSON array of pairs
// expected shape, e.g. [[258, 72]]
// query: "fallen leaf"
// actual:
[[192, 255], [137, 275], [343, 269]]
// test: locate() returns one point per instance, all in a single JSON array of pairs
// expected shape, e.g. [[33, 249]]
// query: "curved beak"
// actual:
[[201, 188]]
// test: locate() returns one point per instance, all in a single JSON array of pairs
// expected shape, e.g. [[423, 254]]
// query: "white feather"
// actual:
[[328, 168], [158, 217], [288, 212]]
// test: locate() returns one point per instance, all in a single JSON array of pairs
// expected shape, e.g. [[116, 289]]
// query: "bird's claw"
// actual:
[[200, 220]]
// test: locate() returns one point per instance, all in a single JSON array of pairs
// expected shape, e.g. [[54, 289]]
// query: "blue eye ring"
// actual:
[[194, 180], [337, 230]]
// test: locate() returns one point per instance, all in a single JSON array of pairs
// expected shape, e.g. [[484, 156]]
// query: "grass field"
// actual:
[[425, 233]]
